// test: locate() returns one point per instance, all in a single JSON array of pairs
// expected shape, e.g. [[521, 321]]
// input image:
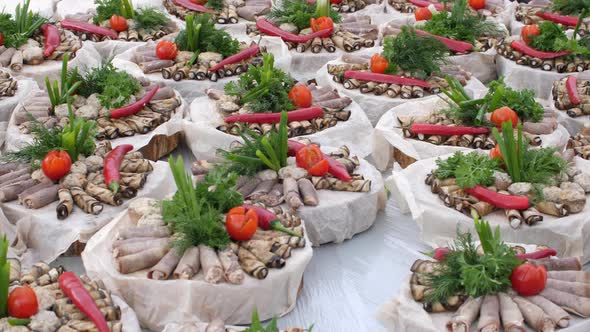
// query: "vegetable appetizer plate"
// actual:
[[40, 236], [355, 132], [194, 300], [160, 117], [537, 11], [112, 42], [188, 88], [391, 142], [569, 100], [405, 313], [376, 105], [438, 223], [43, 7]]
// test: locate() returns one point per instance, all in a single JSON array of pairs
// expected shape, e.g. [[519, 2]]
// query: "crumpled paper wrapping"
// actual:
[[190, 301], [573, 125], [524, 77], [30, 229], [376, 106], [388, 135], [190, 89], [8, 104], [15, 140], [354, 133], [569, 235], [86, 57], [106, 49]]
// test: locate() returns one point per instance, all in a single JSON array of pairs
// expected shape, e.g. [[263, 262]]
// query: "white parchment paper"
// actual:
[[189, 301]]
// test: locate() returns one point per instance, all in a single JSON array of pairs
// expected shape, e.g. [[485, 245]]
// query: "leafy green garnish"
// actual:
[[299, 13], [461, 24], [570, 7], [18, 29], [469, 169], [418, 55], [107, 8], [201, 35], [218, 189], [4, 276], [465, 272], [256, 325], [61, 93], [114, 87], [552, 38], [215, 4], [149, 19], [264, 88]]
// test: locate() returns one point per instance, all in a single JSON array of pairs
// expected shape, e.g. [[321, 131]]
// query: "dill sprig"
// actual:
[[215, 4], [114, 87], [416, 54], [149, 19], [299, 13], [570, 7], [201, 35]]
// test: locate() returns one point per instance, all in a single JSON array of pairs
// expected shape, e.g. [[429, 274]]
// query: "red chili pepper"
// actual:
[[75, 291], [424, 3], [192, 6], [112, 162], [431, 129], [270, 29], [336, 168], [52, 38], [301, 114], [241, 55], [571, 21], [88, 27], [136, 106], [538, 254], [268, 220], [522, 47], [385, 78], [571, 85], [456, 46], [509, 202]]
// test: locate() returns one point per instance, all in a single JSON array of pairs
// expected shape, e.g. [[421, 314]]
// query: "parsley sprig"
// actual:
[[300, 12]]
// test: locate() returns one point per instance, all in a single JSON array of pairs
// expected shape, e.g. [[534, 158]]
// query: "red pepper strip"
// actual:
[[456, 46], [136, 106], [509, 202], [385, 78], [52, 38], [270, 29], [301, 114], [268, 220], [88, 27], [522, 47], [571, 21], [432, 129], [242, 55], [538, 254], [424, 3], [192, 6], [336, 168], [571, 85], [75, 291], [112, 163]]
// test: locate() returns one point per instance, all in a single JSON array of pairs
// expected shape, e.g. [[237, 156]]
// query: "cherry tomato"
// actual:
[[504, 114], [166, 50], [308, 156], [379, 64], [528, 279], [1, 40], [528, 31], [300, 95], [22, 302], [477, 4], [241, 224], [422, 14], [320, 168], [199, 2], [321, 23], [495, 153], [56, 164], [118, 23]]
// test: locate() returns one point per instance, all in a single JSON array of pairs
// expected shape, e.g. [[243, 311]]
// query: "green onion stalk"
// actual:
[[322, 8], [4, 276]]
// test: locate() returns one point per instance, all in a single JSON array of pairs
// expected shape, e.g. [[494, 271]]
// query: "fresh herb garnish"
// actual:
[[149, 19], [552, 38], [465, 272], [144, 18], [461, 24], [259, 151], [201, 35], [469, 169], [215, 4], [300, 12], [18, 30], [263, 88], [114, 87], [256, 325], [60, 93], [570, 7], [418, 55], [4, 276]]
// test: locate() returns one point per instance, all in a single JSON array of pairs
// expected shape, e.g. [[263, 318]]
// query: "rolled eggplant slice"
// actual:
[[66, 203], [251, 265], [85, 201]]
